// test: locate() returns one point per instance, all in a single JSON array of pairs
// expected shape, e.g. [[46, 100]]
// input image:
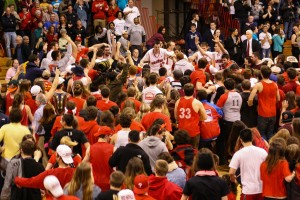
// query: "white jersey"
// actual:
[[231, 103], [156, 61], [208, 57], [130, 17], [218, 59], [149, 93], [249, 159], [183, 65], [169, 61]]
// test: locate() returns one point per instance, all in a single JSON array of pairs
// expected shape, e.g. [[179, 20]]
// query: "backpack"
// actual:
[[59, 102]]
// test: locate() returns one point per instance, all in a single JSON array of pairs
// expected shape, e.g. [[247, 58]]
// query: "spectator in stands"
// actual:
[[130, 12], [63, 6], [288, 10], [190, 44], [82, 8], [30, 168], [250, 22], [241, 12], [209, 36], [278, 41], [295, 39], [149, 93], [248, 160], [159, 186], [22, 50], [25, 21], [72, 17], [122, 155], [11, 72], [250, 45], [266, 40], [199, 185], [50, 23], [157, 36], [119, 24], [99, 8], [137, 36], [233, 45], [195, 20], [113, 10], [256, 10], [267, 94], [9, 24], [292, 84], [47, 14]]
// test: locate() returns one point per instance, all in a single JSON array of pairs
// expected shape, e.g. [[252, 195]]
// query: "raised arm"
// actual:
[[50, 94]]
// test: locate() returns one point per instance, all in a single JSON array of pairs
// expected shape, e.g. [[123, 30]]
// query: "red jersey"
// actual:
[[149, 118], [79, 102], [267, 100], [134, 126], [104, 105], [24, 120], [187, 118], [100, 153], [82, 52], [198, 76], [32, 105]]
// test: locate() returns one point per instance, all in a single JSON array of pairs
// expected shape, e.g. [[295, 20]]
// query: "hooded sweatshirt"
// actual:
[[160, 188], [153, 146]]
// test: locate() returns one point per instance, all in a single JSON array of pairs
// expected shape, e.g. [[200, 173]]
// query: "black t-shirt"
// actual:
[[31, 169], [206, 188], [108, 195], [249, 113], [74, 134]]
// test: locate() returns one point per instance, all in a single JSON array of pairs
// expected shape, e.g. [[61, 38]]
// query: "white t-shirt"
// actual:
[[149, 93], [262, 36], [119, 26], [130, 17], [183, 65], [155, 61], [249, 159], [122, 139]]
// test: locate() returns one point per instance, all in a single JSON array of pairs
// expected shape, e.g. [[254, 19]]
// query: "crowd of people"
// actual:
[[94, 110]]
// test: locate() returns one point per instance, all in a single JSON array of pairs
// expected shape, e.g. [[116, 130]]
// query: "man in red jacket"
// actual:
[[159, 186]]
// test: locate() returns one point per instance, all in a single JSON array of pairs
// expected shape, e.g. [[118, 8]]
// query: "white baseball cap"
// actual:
[[52, 184], [65, 153], [60, 80], [126, 194], [35, 90]]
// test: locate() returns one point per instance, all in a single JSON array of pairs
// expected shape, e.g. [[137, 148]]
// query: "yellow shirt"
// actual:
[[44, 6], [12, 134]]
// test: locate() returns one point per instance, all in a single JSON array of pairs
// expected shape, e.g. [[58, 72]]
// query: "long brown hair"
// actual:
[[296, 127], [18, 98], [134, 167], [276, 153], [82, 177], [48, 114]]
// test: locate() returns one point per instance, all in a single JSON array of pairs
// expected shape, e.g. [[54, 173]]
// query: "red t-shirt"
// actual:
[[32, 105], [290, 86], [63, 197], [149, 118], [187, 118], [100, 153], [104, 105], [273, 183], [64, 175], [198, 76], [134, 126]]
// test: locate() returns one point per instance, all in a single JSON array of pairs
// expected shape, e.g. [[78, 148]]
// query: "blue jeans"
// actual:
[[288, 29], [265, 53], [10, 38], [265, 126]]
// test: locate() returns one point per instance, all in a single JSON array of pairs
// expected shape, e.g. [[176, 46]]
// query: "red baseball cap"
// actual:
[[103, 130], [141, 184]]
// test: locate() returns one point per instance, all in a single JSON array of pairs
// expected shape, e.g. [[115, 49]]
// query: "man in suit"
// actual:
[[249, 45], [209, 36], [195, 20]]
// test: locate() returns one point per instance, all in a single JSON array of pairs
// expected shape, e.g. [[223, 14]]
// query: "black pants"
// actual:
[[221, 145]]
